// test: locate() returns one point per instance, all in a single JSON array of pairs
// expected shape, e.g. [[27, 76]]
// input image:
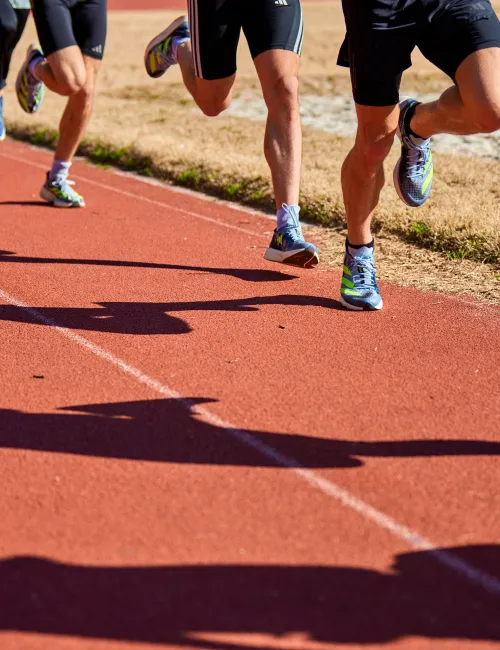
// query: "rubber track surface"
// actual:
[[202, 450]]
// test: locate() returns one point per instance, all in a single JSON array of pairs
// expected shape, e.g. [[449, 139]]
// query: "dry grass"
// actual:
[[157, 123]]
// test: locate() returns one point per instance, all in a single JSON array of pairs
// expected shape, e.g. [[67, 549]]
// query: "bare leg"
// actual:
[[363, 169], [278, 73], [77, 114], [212, 96], [64, 72], [472, 106]]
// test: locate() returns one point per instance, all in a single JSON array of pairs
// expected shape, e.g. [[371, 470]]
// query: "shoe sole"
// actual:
[[158, 39], [303, 259], [347, 305], [20, 76], [58, 203]]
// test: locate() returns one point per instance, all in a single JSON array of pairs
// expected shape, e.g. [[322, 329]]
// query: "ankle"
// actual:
[[59, 170], [33, 67]]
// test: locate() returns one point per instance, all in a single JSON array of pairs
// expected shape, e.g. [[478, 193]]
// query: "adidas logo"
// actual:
[[282, 3], [97, 49]]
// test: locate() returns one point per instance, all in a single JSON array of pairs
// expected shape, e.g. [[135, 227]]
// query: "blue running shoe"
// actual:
[[29, 90], [288, 246], [2, 125], [359, 290], [159, 55], [60, 193], [414, 170]]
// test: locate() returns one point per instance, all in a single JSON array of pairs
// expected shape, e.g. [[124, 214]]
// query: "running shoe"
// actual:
[[29, 90], [288, 246], [60, 193], [159, 55], [359, 290], [414, 170], [2, 125]]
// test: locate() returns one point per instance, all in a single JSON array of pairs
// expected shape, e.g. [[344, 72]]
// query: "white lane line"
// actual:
[[368, 512], [161, 204]]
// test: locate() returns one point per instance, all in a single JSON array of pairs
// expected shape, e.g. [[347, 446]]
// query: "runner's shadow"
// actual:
[[218, 606], [172, 431], [38, 204], [148, 318], [248, 275]]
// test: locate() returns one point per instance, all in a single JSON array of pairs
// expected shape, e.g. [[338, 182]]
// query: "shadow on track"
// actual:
[[38, 204], [170, 431], [248, 275], [150, 318], [184, 605]]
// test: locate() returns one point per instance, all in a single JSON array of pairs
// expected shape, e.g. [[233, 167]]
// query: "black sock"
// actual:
[[370, 245], [408, 116]]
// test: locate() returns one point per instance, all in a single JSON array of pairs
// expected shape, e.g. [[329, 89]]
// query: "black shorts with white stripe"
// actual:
[[216, 26], [62, 23]]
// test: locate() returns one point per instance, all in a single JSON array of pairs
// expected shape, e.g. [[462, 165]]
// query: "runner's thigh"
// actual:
[[273, 25], [215, 31], [90, 27], [457, 31], [54, 25]]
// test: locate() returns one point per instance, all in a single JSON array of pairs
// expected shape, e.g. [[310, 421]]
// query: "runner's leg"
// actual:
[[73, 37], [377, 59], [278, 73], [205, 50], [463, 42], [77, 113], [275, 34]]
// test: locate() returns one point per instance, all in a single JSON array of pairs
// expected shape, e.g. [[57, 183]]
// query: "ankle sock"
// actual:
[[59, 170], [417, 139], [288, 215], [358, 246], [175, 44], [32, 65]]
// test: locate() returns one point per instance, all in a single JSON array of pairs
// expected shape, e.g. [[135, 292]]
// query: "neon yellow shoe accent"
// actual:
[[425, 184], [346, 270], [348, 283], [349, 292]]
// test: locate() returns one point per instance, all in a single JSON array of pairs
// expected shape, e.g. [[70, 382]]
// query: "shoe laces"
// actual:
[[363, 271], [416, 159], [65, 186], [293, 233]]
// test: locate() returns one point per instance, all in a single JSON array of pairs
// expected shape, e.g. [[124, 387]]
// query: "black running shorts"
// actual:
[[12, 23], [62, 23], [381, 35], [216, 25]]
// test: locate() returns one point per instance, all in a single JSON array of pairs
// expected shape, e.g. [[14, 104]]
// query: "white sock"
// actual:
[[33, 63], [59, 170], [175, 45]]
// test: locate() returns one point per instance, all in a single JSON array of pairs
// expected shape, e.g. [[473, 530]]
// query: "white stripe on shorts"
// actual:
[[300, 35], [195, 36]]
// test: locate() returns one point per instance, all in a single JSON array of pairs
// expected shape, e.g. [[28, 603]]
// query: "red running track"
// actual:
[[202, 450]]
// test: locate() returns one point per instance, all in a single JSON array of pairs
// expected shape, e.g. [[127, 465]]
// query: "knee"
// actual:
[[488, 120], [374, 147], [73, 82], [283, 96], [213, 108]]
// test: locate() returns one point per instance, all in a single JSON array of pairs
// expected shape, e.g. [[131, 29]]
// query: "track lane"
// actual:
[[248, 390]]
